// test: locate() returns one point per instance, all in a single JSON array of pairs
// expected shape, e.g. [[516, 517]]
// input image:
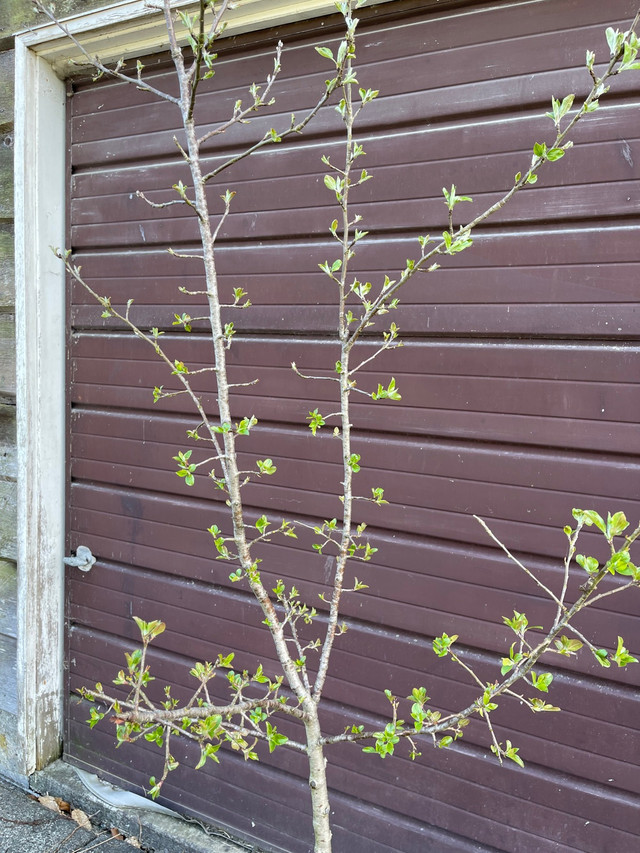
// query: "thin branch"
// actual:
[[267, 139], [136, 715], [159, 205], [239, 116], [520, 565], [95, 62], [611, 592]]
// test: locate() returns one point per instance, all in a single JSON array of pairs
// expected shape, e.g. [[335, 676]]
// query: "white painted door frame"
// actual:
[[125, 28]]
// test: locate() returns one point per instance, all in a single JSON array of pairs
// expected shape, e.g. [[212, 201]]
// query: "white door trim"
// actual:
[[42, 63], [40, 399]]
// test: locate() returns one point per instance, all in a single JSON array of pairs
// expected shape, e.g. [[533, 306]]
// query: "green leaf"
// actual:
[[612, 37], [616, 524], [602, 657], [316, 421], [451, 198], [149, 630], [179, 367], [244, 427], [275, 737], [622, 656], [354, 459], [512, 753], [540, 705], [518, 624], [262, 523], [567, 646], [442, 644], [326, 52], [509, 662], [266, 466], [590, 517], [388, 393], [95, 717], [487, 700], [620, 564], [541, 682], [589, 564]]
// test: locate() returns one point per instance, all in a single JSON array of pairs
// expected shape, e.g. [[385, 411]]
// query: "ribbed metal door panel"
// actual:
[[520, 400]]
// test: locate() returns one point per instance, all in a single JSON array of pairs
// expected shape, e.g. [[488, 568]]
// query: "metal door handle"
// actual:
[[83, 559]]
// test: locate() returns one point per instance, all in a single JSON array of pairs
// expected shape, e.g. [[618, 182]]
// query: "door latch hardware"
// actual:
[[83, 559]]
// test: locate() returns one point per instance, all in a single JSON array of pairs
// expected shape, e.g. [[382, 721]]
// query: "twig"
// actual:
[[520, 565]]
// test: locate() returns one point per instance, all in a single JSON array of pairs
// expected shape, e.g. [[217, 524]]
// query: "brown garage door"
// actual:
[[518, 402]]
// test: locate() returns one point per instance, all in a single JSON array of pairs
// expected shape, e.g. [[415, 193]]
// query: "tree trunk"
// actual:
[[318, 784]]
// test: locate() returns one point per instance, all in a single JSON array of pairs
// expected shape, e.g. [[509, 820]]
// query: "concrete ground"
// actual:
[[27, 826]]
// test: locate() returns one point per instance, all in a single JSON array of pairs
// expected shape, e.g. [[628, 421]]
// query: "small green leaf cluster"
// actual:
[[266, 466], [179, 367], [519, 623], [183, 320], [452, 198], [274, 737], [455, 244], [228, 333], [628, 43], [388, 393], [377, 496], [316, 421], [541, 152], [149, 630], [443, 643], [620, 560], [238, 294], [541, 681], [327, 530], [509, 751], [420, 714], [386, 740], [354, 462], [245, 425], [220, 542], [567, 646], [621, 656], [559, 109], [186, 469]]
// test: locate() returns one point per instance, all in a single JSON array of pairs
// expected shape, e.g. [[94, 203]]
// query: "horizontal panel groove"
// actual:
[[101, 422], [368, 632], [83, 241]]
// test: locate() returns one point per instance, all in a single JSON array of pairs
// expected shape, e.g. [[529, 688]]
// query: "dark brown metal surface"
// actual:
[[519, 401]]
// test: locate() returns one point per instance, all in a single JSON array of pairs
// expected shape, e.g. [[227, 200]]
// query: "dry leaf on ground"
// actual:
[[50, 803], [81, 818]]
